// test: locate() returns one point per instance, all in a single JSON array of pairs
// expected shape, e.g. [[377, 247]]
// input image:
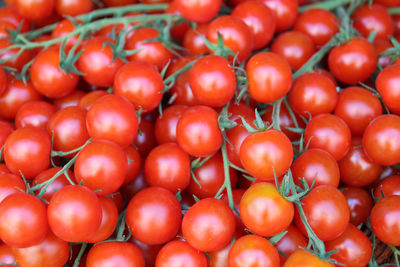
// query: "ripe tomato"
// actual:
[[236, 137], [74, 7], [270, 77], [10, 14], [34, 114], [60, 182], [199, 11], [3, 80], [6, 128], [112, 117], [23, 220], [97, 62], [193, 40], [74, 213], [180, 253], [264, 211], [373, 18], [149, 252], [6, 255], [354, 61], [327, 212], [265, 154], [235, 34], [387, 86], [360, 204], [209, 219], [168, 166], [381, 140], [35, 10], [291, 242], [197, 131], [313, 94], [260, 20], [141, 84], [179, 30], [330, 133], [303, 258], [237, 195], [285, 11], [154, 215], [88, 99], [101, 165], [252, 250], [389, 187], [10, 184], [212, 80], [165, 127], [145, 141], [70, 100], [19, 59], [318, 24], [22, 146], [63, 28], [49, 252], [115, 254], [295, 47], [134, 164], [56, 83]]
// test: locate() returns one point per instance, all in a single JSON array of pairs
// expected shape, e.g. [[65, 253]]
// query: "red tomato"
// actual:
[[115, 254], [387, 86], [154, 216], [260, 20], [381, 140], [285, 11], [88, 99], [193, 40], [291, 242], [265, 154], [149, 252], [303, 258], [63, 28], [354, 61], [179, 253], [11, 15], [200, 11], [3, 80], [134, 163], [70, 100], [6, 128], [34, 114], [74, 213], [388, 3], [6, 255], [112, 117], [112, 3], [295, 47], [56, 83], [74, 7], [270, 77], [236, 137], [24, 145], [23, 220], [14, 57], [237, 195], [264, 211], [35, 10], [360, 204], [381, 46], [389, 187], [330, 133], [252, 250], [209, 219], [10, 184], [60, 182], [179, 30], [165, 127]]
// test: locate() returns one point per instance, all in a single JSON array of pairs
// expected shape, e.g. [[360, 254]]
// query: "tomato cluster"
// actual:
[[201, 133]]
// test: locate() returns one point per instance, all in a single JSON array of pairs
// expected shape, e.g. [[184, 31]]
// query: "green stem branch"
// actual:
[[227, 181], [328, 5], [80, 254]]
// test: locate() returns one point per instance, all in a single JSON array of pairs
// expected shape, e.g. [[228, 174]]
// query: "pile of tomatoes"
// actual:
[[201, 133]]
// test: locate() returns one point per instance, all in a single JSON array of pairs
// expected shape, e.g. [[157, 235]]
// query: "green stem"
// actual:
[[292, 115], [328, 5], [275, 114], [227, 181], [394, 10], [62, 154], [170, 80], [80, 254]]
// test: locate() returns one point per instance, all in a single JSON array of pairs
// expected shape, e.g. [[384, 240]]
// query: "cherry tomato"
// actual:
[[115, 254], [193, 40], [35, 10], [70, 100], [11, 15], [252, 250], [354, 61], [88, 99], [60, 182], [112, 117], [264, 211], [134, 164], [24, 145], [10, 184], [237, 195], [23, 220], [381, 140], [165, 127], [236, 137], [180, 254], [64, 27], [303, 258], [285, 12], [360, 204], [180, 28], [74, 7], [6, 255], [386, 84], [74, 213], [292, 241], [3, 80], [266, 154], [14, 57], [113, 3], [381, 46], [6, 128], [56, 83], [209, 219], [295, 47], [149, 252], [270, 77], [154, 215], [388, 187], [34, 114], [199, 11]]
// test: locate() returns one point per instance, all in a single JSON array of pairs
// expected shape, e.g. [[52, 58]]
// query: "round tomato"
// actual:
[[303, 258], [388, 187], [10, 184], [165, 127], [199, 11], [291, 242], [34, 114], [179, 253], [360, 204], [74, 7], [193, 40], [35, 10], [387, 86], [115, 253], [286, 12], [60, 182]]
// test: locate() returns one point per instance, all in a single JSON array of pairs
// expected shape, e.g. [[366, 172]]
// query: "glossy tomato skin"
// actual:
[[97, 62], [318, 24], [165, 127], [354, 61], [88, 99], [270, 77], [316, 164], [6, 128], [60, 182], [197, 131], [236, 136], [292, 241], [3, 80], [6, 255], [265, 154], [63, 28], [302, 258], [10, 184], [168, 166], [12, 15], [212, 80], [180, 254], [381, 140], [285, 11], [50, 252], [193, 40], [73, 8], [237, 195], [388, 187], [373, 18], [330, 133], [149, 252], [112, 117], [264, 211], [199, 11], [35, 10], [360, 204], [145, 141], [141, 84], [102, 166], [356, 168], [26, 144], [235, 34], [295, 47], [327, 212], [70, 100], [154, 216], [74, 213], [15, 229], [19, 58], [387, 86], [260, 20], [209, 219], [179, 30], [135, 163], [313, 94], [115, 254], [34, 114], [357, 107]]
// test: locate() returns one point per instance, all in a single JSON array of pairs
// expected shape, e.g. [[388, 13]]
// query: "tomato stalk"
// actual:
[[227, 181], [394, 10], [170, 80], [80, 254], [328, 5]]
